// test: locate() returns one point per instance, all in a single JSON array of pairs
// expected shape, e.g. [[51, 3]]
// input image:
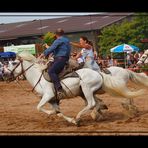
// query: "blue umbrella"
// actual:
[[124, 48], [7, 54]]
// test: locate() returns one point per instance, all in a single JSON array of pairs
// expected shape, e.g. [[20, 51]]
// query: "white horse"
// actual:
[[144, 58], [86, 85]]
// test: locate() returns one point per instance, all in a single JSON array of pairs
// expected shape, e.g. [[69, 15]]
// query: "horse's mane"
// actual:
[[25, 55]]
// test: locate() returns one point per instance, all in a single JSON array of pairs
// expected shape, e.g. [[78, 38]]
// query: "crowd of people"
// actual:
[[104, 62], [132, 59]]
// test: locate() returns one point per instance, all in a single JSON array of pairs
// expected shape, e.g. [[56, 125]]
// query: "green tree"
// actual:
[[129, 32], [142, 28], [49, 38]]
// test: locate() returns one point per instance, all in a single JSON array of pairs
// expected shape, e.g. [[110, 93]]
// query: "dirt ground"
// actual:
[[19, 115]]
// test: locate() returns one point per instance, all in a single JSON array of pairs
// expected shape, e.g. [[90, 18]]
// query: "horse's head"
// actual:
[[144, 58], [17, 68]]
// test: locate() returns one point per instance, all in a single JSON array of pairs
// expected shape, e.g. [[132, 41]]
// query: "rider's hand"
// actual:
[[41, 56], [46, 45]]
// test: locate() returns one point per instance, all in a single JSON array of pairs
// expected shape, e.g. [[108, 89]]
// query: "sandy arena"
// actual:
[[19, 115]]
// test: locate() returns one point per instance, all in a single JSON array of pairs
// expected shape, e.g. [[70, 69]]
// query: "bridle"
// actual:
[[22, 70]]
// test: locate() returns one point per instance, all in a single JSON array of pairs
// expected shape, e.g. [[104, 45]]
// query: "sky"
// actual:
[[21, 17]]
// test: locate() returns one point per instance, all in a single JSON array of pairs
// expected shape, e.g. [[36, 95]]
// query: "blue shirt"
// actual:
[[60, 47]]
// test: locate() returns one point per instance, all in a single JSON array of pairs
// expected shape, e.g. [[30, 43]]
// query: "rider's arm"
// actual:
[[76, 44], [53, 47], [78, 55], [87, 46]]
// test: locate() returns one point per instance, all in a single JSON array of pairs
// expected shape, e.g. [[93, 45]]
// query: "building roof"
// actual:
[[69, 24]]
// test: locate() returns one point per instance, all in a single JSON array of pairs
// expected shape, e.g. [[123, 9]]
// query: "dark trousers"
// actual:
[[55, 69]]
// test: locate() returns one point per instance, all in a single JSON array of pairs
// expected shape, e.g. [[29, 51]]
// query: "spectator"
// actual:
[[109, 61]]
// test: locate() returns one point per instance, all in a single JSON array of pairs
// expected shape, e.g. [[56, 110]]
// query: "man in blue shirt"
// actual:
[[61, 50]]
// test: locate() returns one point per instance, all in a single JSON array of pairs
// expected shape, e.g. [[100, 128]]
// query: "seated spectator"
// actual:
[[109, 61]]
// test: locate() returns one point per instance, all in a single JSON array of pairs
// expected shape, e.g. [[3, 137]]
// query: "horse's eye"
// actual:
[[14, 63]]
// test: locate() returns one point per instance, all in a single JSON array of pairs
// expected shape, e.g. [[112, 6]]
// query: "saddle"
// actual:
[[67, 72]]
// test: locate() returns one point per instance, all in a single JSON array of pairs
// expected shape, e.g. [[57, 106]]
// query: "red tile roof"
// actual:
[[69, 24]]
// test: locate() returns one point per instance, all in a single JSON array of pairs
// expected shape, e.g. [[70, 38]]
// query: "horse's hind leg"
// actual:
[[130, 109], [90, 100], [97, 113], [101, 104]]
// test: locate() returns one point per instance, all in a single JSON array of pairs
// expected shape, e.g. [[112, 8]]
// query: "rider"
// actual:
[[86, 55], [61, 50]]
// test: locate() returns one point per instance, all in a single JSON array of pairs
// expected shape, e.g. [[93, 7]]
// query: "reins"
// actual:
[[37, 81]]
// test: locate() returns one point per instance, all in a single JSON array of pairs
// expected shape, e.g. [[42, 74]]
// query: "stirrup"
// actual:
[[60, 94]]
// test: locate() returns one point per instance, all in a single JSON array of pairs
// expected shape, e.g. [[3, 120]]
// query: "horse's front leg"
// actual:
[[46, 98], [69, 119], [55, 108], [90, 101]]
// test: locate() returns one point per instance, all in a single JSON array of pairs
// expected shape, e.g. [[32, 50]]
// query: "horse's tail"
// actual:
[[138, 78], [117, 87]]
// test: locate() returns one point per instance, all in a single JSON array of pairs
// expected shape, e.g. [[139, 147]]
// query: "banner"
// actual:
[[17, 49]]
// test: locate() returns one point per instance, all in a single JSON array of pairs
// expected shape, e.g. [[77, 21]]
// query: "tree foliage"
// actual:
[[128, 32], [49, 38]]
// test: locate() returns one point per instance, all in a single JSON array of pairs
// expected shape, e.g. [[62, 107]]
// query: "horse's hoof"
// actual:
[[133, 109], [125, 105], [77, 122]]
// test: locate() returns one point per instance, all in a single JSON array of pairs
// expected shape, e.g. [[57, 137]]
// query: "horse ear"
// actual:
[[18, 57]]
